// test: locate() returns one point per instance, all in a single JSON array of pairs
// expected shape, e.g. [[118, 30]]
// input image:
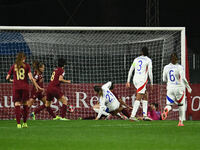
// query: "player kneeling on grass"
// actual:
[[54, 90], [21, 72], [174, 75], [108, 103], [38, 94]]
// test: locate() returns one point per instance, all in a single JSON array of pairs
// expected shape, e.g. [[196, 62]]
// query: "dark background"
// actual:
[[107, 13]]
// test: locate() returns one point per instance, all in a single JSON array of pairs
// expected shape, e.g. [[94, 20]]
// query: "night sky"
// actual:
[[101, 13]]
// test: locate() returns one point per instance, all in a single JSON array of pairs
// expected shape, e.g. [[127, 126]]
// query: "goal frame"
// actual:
[[87, 28]]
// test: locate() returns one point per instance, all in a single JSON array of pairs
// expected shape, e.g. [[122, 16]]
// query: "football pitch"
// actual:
[[99, 135]]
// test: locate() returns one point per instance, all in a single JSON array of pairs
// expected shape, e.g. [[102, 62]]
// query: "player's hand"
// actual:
[[36, 88], [151, 87], [130, 107], [11, 80], [128, 84], [68, 81], [189, 90], [41, 89]]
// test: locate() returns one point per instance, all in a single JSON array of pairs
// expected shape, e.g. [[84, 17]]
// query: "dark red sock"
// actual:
[[18, 114], [126, 112], [51, 112], [37, 110], [25, 114], [63, 110]]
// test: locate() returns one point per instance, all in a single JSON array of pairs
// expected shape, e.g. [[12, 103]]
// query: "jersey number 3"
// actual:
[[140, 65]]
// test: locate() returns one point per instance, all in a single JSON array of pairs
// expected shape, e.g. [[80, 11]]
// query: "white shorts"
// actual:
[[175, 96], [112, 107], [140, 86]]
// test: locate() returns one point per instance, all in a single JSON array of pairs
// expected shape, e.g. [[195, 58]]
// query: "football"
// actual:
[[70, 108]]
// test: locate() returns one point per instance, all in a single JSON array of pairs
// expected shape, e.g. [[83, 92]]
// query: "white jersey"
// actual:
[[143, 68], [108, 102], [174, 75]]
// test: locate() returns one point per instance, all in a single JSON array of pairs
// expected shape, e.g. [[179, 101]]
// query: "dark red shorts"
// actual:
[[38, 95], [20, 95], [53, 92]]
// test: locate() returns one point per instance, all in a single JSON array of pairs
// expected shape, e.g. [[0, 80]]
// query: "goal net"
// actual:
[[94, 55]]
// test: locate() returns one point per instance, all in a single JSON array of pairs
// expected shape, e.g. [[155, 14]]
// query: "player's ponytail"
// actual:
[[19, 60]]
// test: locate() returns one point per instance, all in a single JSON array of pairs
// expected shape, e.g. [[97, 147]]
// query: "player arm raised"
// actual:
[[130, 74], [107, 85]]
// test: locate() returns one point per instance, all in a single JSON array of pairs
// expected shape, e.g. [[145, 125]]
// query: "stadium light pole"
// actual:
[[152, 13]]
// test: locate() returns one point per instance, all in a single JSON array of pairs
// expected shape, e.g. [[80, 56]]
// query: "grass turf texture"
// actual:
[[102, 134]]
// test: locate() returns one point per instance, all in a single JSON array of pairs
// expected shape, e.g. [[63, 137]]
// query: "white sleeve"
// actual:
[[131, 71], [107, 85], [185, 82], [150, 72], [164, 75], [102, 107]]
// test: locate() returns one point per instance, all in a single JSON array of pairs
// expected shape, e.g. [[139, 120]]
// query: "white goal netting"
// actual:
[[93, 56]]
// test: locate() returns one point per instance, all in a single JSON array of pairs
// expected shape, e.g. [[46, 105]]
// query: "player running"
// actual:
[[143, 68], [108, 102], [54, 90], [38, 94], [21, 72], [174, 75]]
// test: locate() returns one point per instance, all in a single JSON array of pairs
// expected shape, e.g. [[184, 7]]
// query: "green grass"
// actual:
[[96, 135]]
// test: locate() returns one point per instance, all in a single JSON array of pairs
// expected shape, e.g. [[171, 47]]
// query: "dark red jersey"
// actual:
[[55, 77], [20, 76], [38, 78]]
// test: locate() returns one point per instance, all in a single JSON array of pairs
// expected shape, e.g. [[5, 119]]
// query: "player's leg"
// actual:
[[30, 103], [141, 88], [63, 100], [40, 108], [135, 107], [17, 100], [180, 100], [145, 107], [18, 113], [170, 99], [96, 108], [25, 98], [49, 99]]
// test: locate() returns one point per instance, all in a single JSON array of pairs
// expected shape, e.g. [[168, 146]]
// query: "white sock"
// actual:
[[144, 107], [104, 113], [135, 108], [181, 113], [168, 107], [118, 114]]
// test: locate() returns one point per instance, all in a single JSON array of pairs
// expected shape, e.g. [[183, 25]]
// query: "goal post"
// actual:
[[94, 55]]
